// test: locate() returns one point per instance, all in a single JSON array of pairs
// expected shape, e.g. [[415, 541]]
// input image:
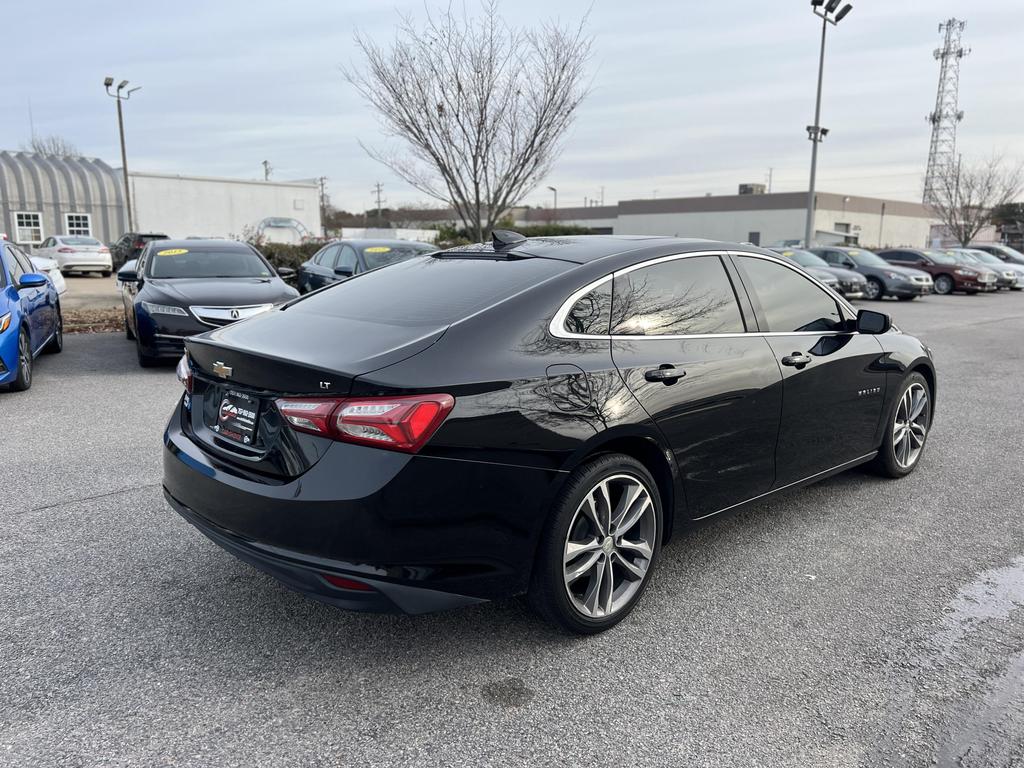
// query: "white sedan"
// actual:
[[51, 269], [77, 253]]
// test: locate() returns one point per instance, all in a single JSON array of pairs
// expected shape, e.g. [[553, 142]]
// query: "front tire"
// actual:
[[944, 285], [145, 361], [600, 546], [24, 378], [106, 273], [907, 426], [874, 289]]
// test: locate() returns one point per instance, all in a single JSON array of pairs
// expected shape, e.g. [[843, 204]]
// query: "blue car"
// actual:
[[30, 319]]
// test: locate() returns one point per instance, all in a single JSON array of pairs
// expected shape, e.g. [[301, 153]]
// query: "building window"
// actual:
[[754, 238], [78, 224], [28, 227]]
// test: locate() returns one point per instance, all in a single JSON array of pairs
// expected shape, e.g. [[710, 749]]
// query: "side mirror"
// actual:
[[872, 322], [285, 272], [32, 280], [343, 271], [126, 275]]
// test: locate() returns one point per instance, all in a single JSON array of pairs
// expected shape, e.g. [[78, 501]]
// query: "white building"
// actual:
[[43, 195]]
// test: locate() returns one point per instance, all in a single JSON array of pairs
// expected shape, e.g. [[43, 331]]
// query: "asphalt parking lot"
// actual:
[[855, 622]]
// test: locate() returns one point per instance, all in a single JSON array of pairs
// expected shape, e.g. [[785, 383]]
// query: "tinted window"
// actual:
[[382, 255], [347, 259], [903, 256], [591, 314], [328, 256], [683, 296], [204, 262], [428, 290], [790, 302]]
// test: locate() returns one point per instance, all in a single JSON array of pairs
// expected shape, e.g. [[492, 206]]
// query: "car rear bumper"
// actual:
[[86, 263], [424, 532]]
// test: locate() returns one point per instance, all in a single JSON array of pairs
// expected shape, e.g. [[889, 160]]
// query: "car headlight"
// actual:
[[163, 309], [896, 276], [5, 322], [966, 272]]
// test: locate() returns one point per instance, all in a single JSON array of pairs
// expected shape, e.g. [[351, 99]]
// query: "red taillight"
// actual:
[[342, 583], [184, 373], [65, 250], [139, 244], [104, 250], [396, 423]]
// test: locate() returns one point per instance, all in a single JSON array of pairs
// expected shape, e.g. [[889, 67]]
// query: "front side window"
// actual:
[[347, 259], [591, 313], [790, 302], [328, 256], [78, 224], [684, 296], [28, 227], [13, 266]]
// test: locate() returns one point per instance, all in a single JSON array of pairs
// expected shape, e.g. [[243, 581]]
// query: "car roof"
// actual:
[[583, 249]]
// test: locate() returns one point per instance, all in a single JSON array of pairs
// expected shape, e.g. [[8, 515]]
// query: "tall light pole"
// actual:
[[815, 132], [556, 200], [107, 82]]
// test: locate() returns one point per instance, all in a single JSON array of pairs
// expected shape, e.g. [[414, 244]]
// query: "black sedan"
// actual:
[[530, 415], [341, 259], [178, 288]]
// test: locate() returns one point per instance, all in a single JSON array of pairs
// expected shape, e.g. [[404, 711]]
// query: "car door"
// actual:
[[680, 342], [833, 378]]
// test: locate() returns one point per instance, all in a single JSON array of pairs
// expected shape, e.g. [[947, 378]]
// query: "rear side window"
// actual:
[[681, 297], [591, 314], [429, 291], [790, 302]]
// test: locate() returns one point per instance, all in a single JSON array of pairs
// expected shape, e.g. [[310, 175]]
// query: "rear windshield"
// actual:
[[201, 262], [382, 255], [429, 291], [80, 241]]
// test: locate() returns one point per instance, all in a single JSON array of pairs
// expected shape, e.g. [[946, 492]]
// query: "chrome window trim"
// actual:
[[557, 325]]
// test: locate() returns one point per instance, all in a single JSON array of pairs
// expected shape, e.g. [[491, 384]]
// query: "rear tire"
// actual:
[[906, 431], [106, 273], [604, 528], [56, 344], [874, 289], [24, 378]]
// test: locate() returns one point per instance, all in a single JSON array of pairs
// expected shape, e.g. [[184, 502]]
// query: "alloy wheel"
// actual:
[[872, 290], [25, 358], [609, 546], [910, 426], [943, 285]]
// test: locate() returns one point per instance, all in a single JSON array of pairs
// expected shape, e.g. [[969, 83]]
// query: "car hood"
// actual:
[[218, 291], [908, 271], [845, 274], [820, 273]]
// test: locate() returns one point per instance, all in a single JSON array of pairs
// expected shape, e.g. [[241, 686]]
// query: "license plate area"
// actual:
[[237, 417]]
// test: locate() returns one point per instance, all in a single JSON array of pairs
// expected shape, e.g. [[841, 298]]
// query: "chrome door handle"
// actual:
[[797, 359], [666, 374]]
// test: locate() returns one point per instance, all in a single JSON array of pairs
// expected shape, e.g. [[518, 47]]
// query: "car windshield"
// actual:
[[964, 257], [866, 258], [79, 241], [941, 257], [382, 255], [803, 258], [987, 258], [205, 262]]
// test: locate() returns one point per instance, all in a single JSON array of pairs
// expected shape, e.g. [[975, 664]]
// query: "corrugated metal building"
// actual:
[[43, 195]]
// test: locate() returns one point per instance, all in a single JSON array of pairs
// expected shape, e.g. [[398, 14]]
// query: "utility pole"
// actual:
[[107, 82], [267, 168], [602, 195], [770, 170], [323, 205], [947, 113], [378, 190]]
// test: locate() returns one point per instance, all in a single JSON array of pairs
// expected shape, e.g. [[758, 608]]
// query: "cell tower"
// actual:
[[942, 152]]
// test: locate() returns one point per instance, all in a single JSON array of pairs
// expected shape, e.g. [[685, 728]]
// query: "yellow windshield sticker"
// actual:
[[377, 249], [853, 253], [787, 253], [172, 252]]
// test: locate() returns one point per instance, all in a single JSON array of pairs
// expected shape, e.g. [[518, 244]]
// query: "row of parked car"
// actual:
[[906, 273]]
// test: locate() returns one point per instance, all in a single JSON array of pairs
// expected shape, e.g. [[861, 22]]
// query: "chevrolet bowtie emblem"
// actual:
[[224, 371]]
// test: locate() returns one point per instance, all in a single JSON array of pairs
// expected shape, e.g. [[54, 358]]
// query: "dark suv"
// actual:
[[883, 279], [947, 271], [130, 245]]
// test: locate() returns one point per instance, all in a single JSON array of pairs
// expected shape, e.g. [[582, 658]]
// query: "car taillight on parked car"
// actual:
[[397, 423], [104, 250], [184, 373], [65, 250]]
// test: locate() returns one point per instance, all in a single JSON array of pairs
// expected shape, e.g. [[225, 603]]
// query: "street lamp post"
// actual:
[[815, 132], [556, 200], [107, 82]]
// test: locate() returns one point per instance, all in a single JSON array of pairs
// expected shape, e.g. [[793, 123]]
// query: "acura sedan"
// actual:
[[178, 288], [530, 416]]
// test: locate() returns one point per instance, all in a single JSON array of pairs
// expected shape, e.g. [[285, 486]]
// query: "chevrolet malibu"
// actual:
[[530, 416]]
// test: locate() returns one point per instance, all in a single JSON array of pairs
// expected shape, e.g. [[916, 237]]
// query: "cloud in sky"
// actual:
[[687, 98]]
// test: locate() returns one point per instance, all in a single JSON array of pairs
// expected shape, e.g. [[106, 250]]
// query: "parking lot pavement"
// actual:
[[91, 291], [858, 621]]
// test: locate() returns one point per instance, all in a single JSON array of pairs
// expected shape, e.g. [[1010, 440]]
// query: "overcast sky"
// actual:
[[688, 97]]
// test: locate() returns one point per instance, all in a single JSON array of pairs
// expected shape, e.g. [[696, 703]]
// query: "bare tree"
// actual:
[[481, 106], [966, 197], [51, 145]]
